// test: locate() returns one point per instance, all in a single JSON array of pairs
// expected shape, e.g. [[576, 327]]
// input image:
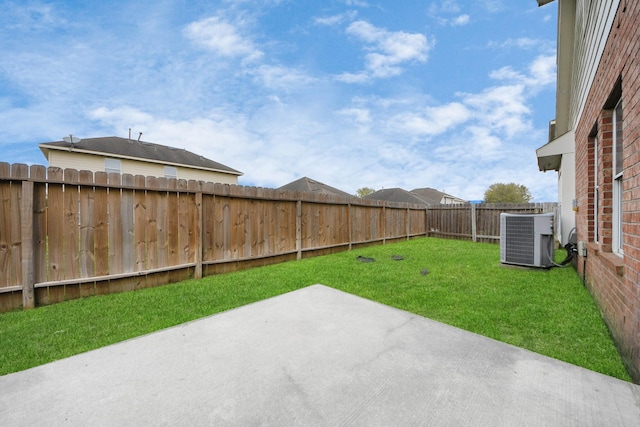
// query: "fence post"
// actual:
[[473, 223], [384, 225], [26, 238], [299, 229], [349, 225], [408, 223], [198, 238], [426, 221]]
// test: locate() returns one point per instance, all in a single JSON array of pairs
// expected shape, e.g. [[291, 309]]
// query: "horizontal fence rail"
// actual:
[[66, 234]]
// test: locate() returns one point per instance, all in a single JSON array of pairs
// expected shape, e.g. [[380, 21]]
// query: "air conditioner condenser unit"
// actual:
[[527, 239]]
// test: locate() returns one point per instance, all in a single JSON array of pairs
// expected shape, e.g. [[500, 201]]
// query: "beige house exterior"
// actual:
[[126, 156]]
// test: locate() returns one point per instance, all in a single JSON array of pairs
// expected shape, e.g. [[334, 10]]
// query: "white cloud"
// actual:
[[281, 78], [388, 51], [361, 77], [359, 115], [121, 116], [444, 6], [432, 121], [543, 70], [507, 73], [336, 19], [358, 3], [541, 73], [460, 20], [492, 6], [31, 17], [502, 108], [520, 43], [223, 38], [447, 12], [220, 135]]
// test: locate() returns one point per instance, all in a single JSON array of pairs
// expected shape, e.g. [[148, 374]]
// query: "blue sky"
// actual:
[[450, 94]]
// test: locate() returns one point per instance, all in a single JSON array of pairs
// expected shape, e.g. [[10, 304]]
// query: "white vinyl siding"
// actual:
[[593, 22], [83, 161], [73, 160]]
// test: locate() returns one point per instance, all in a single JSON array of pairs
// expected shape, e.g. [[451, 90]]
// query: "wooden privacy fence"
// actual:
[[66, 234], [477, 222]]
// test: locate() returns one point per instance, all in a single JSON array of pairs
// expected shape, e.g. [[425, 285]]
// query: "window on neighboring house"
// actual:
[[112, 165], [616, 240], [170, 172]]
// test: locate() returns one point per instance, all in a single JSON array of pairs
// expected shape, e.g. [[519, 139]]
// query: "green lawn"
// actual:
[[546, 311]]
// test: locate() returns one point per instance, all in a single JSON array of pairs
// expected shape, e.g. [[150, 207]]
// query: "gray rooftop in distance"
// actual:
[[396, 195], [430, 195], [421, 196], [313, 186], [123, 147], [315, 356]]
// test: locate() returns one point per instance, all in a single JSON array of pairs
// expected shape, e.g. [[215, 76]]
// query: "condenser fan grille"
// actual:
[[519, 240]]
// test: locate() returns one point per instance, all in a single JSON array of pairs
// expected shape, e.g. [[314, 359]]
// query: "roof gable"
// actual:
[[429, 195], [396, 195], [139, 150], [433, 196], [309, 185]]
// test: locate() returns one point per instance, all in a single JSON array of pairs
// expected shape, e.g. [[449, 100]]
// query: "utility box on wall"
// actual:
[[527, 239]]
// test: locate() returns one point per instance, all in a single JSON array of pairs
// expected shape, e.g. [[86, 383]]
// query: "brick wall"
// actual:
[[614, 281]]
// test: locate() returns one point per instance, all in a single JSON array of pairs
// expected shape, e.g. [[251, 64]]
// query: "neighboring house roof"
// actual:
[[112, 146], [421, 196], [395, 195], [310, 185], [432, 196]]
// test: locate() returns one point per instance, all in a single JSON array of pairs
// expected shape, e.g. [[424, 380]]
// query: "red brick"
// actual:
[[618, 297]]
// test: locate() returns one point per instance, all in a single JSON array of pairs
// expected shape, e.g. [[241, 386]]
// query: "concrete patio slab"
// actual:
[[316, 356]]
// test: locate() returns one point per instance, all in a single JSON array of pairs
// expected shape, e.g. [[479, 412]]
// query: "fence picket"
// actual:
[[39, 173], [87, 236], [151, 223], [115, 224], [127, 241], [162, 222], [140, 223], [101, 224], [5, 228]]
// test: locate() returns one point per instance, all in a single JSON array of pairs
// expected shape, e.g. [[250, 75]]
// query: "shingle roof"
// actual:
[[421, 196], [431, 195], [123, 147], [310, 185], [396, 195]]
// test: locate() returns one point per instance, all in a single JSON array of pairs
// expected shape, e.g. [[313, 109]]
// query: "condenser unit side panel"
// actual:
[[546, 250], [544, 240]]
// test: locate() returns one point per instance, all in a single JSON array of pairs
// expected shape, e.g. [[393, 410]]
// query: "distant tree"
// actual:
[[507, 193], [364, 191]]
